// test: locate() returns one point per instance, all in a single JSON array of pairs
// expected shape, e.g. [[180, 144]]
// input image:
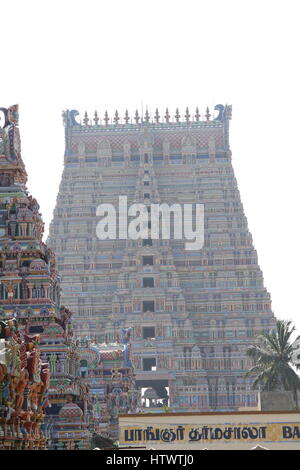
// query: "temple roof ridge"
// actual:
[[188, 118]]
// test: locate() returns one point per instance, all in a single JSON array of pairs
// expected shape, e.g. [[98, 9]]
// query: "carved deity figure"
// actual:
[[9, 137], [4, 385], [10, 290], [20, 388], [34, 395]]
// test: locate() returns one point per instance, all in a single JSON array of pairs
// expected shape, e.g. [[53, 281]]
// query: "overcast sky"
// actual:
[[119, 54]]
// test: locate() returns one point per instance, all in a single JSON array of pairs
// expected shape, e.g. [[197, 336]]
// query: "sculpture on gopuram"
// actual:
[[22, 377], [39, 361]]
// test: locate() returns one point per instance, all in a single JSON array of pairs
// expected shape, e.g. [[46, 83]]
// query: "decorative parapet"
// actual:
[[71, 118], [124, 141]]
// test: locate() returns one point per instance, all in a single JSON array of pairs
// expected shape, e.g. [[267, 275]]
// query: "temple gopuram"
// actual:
[[194, 312], [43, 346], [24, 382]]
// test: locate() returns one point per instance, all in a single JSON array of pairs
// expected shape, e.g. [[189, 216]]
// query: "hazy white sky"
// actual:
[[117, 54]]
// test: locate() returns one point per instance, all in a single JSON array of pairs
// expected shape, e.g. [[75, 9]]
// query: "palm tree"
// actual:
[[272, 358]]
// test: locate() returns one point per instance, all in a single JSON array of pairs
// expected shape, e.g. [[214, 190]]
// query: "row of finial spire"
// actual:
[[137, 118]]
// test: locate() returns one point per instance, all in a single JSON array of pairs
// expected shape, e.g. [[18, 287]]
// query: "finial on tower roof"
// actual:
[[96, 118], [116, 118], [207, 115], [167, 116], [177, 115], [136, 117], [106, 118], [157, 116], [187, 115], [86, 119], [126, 118], [147, 116], [197, 115]]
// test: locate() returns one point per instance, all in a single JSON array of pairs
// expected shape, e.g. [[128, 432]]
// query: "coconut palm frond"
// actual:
[[272, 358], [291, 380]]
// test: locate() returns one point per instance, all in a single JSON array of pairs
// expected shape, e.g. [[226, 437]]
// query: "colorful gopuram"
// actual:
[[24, 382], [30, 292], [193, 312], [108, 371]]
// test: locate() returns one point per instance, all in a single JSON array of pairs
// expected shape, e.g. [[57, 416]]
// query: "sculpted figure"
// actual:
[[12, 388], [70, 117], [26, 415], [4, 390], [10, 142], [41, 389], [3, 372], [34, 395], [5, 178], [33, 361], [9, 414], [20, 388], [10, 290], [34, 427], [220, 108]]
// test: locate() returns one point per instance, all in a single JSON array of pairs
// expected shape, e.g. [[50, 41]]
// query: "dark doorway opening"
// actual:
[[148, 332], [148, 306], [149, 363], [148, 282], [147, 260]]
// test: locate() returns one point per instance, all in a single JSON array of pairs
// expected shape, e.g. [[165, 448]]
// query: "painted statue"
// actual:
[[10, 145], [126, 333], [20, 386]]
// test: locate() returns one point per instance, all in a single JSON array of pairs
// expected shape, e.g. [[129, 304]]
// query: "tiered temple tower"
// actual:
[[193, 313], [30, 292]]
